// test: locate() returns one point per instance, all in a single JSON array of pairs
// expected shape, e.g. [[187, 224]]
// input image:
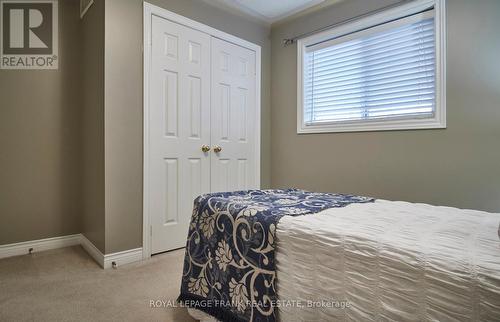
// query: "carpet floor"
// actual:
[[67, 285]]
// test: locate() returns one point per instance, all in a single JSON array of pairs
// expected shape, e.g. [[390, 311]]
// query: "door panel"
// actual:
[[233, 117], [179, 124]]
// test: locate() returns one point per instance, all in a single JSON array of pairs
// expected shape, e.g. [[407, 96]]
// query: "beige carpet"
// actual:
[[67, 285]]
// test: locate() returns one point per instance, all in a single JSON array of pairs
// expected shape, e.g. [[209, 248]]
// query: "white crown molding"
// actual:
[[297, 10], [105, 261], [241, 10], [296, 15]]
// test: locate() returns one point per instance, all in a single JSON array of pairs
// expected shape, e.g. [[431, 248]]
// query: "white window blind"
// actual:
[[385, 72]]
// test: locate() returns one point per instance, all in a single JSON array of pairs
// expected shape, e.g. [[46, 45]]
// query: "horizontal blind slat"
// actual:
[[335, 57], [412, 62], [381, 75], [389, 74], [411, 30], [427, 107], [318, 102], [357, 59], [372, 90], [385, 84], [369, 103], [365, 60]]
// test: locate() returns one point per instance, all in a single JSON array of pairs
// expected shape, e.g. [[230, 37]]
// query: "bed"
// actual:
[[385, 260]]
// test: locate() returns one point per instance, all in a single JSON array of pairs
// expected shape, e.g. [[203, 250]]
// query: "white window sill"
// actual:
[[364, 126]]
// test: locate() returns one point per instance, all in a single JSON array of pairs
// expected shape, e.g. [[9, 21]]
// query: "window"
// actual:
[[383, 72]]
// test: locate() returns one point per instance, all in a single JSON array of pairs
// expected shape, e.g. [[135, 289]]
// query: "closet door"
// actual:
[[233, 117], [179, 126]]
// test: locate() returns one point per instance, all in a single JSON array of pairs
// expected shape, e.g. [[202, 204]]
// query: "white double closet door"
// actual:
[[202, 93]]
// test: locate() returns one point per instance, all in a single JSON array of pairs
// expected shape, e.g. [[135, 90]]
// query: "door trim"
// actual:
[[149, 10]]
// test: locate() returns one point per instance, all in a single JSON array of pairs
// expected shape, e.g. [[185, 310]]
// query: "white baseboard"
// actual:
[[39, 245], [93, 251], [122, 258], [105, 261]]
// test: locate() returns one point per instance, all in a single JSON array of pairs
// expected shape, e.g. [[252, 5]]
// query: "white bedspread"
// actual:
[[389, 261]]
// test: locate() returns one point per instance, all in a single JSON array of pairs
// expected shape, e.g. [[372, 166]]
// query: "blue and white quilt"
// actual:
[[229, 266]]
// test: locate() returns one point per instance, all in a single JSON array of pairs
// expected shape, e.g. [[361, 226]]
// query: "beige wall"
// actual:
[[458, 166], [123, 124], [72, 148], [71, 156], [40, 148], [92, 120], [123, 106]]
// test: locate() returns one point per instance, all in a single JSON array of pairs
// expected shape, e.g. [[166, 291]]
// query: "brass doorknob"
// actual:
[[205, 148], [217, 149]]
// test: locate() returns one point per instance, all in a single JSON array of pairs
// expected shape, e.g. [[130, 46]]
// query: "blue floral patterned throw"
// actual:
[[229, 266]]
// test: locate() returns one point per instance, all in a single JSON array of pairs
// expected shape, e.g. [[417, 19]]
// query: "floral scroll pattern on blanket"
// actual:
[[229, 266]]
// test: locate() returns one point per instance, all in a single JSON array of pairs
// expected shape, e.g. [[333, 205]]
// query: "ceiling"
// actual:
[[269, 11]]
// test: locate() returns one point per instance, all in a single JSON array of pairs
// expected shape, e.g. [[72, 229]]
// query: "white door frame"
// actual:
[[150, 10]]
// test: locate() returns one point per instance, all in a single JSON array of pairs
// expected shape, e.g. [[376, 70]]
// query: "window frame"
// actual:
[[436, 122]]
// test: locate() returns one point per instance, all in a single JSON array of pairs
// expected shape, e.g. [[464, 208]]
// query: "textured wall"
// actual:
[[40, 145], [457, 166]]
